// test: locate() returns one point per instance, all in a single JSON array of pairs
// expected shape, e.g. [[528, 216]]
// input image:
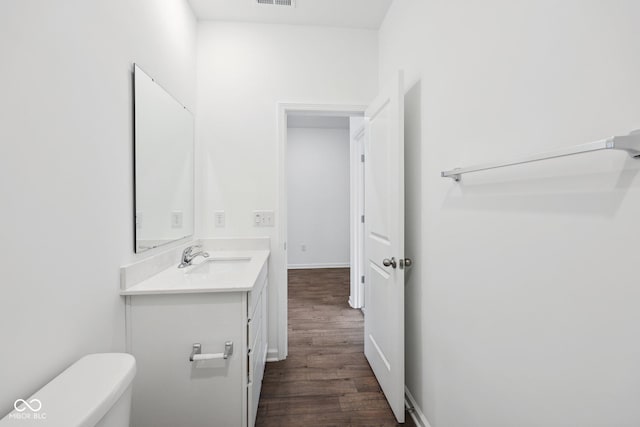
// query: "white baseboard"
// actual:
[[416, 413], [353, 306], [272, 355], [311, 266]]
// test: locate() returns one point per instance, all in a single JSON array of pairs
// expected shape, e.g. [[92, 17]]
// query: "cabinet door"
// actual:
[[265, 330], [257, 354], [171, 391], [255, 323], [255, 381]]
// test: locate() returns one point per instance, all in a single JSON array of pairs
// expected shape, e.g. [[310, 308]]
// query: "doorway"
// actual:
[[325, 194], [326, 378], [312, 119], [383, 237], [318, 192]]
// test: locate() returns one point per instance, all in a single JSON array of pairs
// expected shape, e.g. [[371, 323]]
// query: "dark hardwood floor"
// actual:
[[326, 380]]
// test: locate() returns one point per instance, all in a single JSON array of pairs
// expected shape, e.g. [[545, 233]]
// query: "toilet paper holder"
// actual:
[[196, 352]]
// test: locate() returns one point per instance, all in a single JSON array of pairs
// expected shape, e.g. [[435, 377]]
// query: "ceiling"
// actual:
[[365, 14]]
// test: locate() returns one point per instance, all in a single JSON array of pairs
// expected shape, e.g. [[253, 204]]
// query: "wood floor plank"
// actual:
[[325, 380], [362, 401], [330, 419], [300, 406], [367, 384], [309, 388], [312, 374]]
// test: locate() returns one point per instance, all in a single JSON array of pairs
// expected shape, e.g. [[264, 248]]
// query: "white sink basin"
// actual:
[[218, 268]]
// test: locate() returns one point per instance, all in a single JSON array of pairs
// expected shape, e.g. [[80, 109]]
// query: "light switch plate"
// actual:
[[219, 219], [263, 218], [176, 219]]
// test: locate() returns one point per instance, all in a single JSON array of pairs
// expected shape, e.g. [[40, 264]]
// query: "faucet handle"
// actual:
[[188, 255], [190, 249]]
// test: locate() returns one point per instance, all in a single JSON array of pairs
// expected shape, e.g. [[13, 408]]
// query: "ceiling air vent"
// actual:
[[288, 3]]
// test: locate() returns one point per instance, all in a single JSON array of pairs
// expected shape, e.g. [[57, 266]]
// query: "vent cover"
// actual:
[[288, 3]]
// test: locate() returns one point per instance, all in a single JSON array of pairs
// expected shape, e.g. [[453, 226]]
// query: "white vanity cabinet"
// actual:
[[171, 391]]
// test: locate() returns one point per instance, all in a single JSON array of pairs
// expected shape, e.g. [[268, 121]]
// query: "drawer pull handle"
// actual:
[[196, 353]]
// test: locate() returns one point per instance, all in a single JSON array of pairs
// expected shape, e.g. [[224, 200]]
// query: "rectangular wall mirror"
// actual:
[[164, 165]]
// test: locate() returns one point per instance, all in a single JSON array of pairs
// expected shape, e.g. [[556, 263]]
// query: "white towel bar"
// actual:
[[629, 143]]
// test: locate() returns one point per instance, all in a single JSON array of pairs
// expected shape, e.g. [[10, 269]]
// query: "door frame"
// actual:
[[357, 143], [283, 110]]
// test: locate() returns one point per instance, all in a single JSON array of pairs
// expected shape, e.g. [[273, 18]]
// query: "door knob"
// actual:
[[405, 262], [389, 262]]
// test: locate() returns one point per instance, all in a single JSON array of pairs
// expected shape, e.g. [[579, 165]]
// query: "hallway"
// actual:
[[325, 380]]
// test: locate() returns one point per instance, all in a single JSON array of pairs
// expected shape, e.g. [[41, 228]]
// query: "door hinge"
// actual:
[[362, 158], [362, 219], [285, 246], [362, 279]]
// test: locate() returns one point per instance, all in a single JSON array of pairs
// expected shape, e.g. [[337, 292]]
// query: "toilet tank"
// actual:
[[93, 392]]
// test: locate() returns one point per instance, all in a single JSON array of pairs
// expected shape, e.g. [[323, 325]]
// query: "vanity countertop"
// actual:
[[223, 271]]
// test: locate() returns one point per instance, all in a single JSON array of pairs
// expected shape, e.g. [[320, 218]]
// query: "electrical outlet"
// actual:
[[263, 218], [303, 248], [219, 219]]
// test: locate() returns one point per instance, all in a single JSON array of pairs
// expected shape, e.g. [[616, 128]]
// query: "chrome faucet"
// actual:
[[188, 256]]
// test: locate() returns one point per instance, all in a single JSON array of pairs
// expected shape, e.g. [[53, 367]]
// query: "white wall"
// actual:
[[318, 197], [244, 71], [66, 171], [522, 306]]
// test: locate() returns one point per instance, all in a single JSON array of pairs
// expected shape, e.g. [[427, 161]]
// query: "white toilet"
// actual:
[[93, 392]]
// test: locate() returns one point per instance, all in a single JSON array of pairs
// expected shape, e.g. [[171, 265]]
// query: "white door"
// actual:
[[384, 242]]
